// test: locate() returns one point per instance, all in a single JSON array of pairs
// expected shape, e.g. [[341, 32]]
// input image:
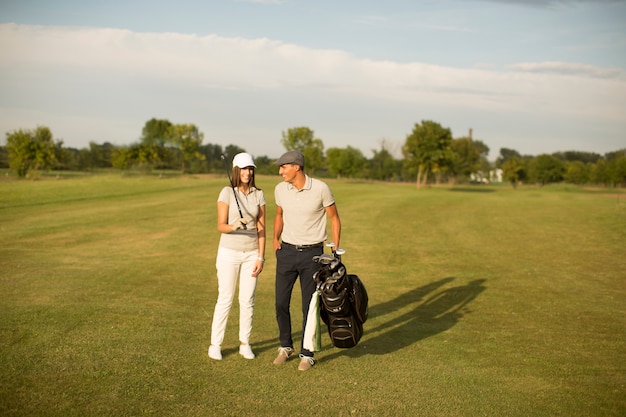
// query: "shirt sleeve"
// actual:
[[327, 196], [276, 195], [224, 197]]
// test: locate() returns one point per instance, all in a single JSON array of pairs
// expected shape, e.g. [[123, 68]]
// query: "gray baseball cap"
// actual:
[[291, 157]]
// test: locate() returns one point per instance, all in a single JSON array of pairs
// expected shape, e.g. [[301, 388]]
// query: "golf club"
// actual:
[[336, 252], [233, 187]]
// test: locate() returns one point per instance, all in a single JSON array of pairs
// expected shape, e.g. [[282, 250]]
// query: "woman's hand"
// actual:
[[239, 224], [258, 267]]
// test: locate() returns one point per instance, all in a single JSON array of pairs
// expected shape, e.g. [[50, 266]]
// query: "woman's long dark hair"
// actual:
[[237, 178]]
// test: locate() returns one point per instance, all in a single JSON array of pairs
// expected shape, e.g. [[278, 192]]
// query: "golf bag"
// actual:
[[343, 297]]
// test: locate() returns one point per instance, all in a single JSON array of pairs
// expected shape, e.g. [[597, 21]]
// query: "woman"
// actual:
[[241, 253]]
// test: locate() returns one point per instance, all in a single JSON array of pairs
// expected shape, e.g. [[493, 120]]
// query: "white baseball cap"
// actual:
[[243, 160]]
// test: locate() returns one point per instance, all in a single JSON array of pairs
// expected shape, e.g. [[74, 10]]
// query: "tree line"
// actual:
[[430, 155]]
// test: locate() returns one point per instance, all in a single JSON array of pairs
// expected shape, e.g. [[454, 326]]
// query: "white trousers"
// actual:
[[232, 264]]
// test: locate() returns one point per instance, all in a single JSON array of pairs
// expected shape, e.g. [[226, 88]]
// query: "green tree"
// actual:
[[30, 151], [383, 166], [4, 157], [546, 169], [83, 159], [143, 156], [101, 154], [616, 167], [156, 131], [121, 158], [615, 154], [619, 170], [66, 158], [187, 139], [470, 157], [599, 172], [231, 150], [513, 170], [303, 139], [571, 156], [213, 157], [347, 162], [96, 156], [576, 172], [427, 150], [505, 155], [264, 165]]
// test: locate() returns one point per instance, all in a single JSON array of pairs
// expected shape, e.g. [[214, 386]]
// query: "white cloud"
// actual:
[[567, 68], [238, 86]]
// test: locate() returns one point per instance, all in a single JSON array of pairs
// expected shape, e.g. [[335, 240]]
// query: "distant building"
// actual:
[[479, 177], [495, 175]]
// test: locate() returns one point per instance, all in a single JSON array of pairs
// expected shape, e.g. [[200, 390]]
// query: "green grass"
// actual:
[[484, 301]]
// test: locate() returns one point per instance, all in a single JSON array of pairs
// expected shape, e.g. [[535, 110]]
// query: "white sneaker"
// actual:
[[246, 351], [215, 353]]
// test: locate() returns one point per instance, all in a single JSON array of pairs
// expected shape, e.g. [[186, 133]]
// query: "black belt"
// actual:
[[304, 247]]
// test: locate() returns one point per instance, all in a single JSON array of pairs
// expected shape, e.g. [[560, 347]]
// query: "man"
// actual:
[[302, 205]]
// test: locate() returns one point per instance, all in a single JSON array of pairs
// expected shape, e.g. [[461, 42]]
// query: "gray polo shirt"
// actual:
[[304, 214], [243, 240]]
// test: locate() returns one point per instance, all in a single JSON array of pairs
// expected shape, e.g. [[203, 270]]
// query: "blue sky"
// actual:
[[536, 76]]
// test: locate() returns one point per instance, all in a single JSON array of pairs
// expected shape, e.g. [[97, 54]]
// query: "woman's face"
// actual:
[[245, 174]]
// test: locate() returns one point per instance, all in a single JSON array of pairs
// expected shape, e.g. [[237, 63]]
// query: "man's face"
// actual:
[[288, 172]]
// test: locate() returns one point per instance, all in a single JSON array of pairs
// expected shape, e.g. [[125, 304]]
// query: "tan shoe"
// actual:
[[306, 363], [284, 353]]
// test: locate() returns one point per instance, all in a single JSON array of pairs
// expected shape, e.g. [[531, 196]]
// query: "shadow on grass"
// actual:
[[375, 311], [435, 311]]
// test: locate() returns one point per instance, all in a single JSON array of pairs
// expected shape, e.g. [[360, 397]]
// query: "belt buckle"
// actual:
[[302, 248]]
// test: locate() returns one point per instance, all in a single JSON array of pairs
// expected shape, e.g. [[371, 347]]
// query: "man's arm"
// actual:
[[335, 223]]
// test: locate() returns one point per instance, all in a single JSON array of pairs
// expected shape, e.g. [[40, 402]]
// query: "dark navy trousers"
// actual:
[[292, 263]]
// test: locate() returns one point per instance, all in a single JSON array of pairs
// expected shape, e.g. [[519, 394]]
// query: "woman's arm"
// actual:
[[260, 228], [222, 219]]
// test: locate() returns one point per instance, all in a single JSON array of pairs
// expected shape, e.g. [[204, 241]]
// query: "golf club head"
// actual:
[[323, 259]]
